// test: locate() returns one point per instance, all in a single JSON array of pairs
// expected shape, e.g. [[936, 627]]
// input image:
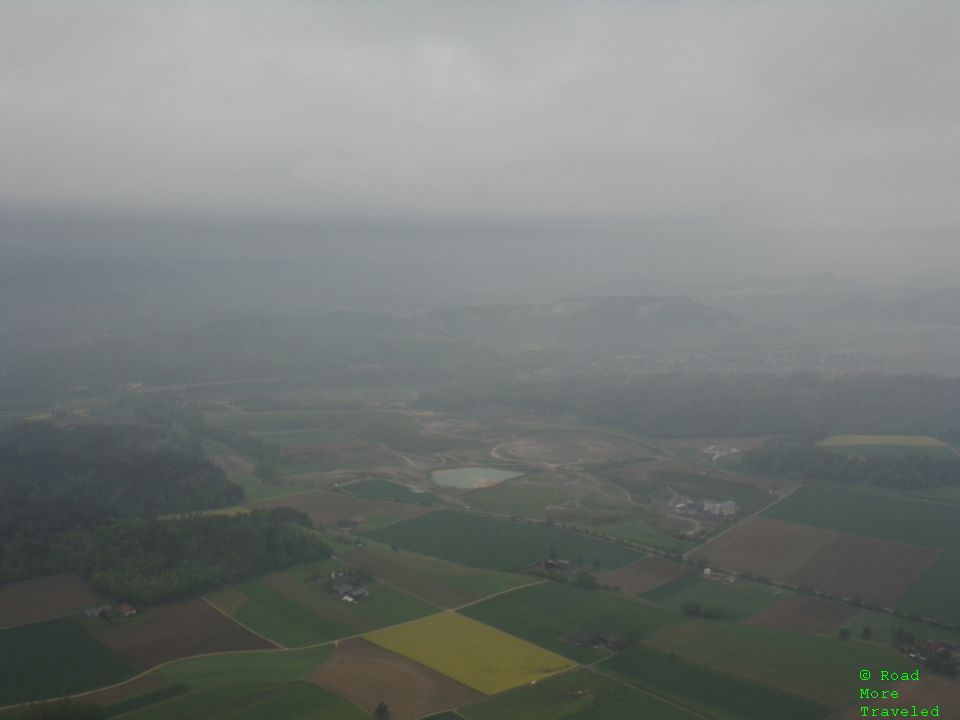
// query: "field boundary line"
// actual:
[[691, 711], [497, 594], [248, 629]]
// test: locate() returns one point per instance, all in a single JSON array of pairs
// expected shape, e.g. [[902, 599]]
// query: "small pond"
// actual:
[[469, 478]]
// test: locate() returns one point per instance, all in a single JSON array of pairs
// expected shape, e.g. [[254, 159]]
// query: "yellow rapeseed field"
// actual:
[[908, 440], [470, 652]]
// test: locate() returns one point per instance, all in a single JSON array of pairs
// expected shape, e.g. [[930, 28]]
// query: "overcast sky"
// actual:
[[766, 136]]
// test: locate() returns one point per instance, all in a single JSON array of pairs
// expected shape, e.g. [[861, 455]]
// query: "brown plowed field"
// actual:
[[367, 675], [931, 690], [326, 508], [646, 574], [869, 568], [803, 613], [768, 548], [44, 598], [175, 631]]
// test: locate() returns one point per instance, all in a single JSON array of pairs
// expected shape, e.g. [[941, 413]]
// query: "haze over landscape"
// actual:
[[466, 361]]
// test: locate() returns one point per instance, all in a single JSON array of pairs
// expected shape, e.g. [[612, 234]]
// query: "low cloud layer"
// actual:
[[759, 132]]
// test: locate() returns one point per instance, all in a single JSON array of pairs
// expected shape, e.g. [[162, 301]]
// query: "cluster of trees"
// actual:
[[908, 472], [154, 561], [710, 612], [701, 405], [58, 480], [79, 475]]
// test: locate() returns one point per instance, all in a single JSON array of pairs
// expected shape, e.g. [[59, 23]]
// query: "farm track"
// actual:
[[278, 649]]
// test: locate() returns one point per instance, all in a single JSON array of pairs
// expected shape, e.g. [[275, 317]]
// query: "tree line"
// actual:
[[808, 405], [905, 472]]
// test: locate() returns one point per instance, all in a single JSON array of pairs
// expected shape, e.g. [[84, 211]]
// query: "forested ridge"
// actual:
[[687, 405], [87, 500]]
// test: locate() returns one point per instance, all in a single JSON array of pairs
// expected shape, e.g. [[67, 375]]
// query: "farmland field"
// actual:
[[29, 601], [326, 508], [174, 631], [377, 489], [935, 593], [638, 529], [804, 613], [741, 598], [250, 685], [497, 544], [714, 693], [817, 668], [54, 658], [913, 522], [865, 567], [766, 547], [444, 583], [294, 612], [526, 497], [471, 653], [252, 701], [368, 674], [545, 614], [646, 574], [579, 695]]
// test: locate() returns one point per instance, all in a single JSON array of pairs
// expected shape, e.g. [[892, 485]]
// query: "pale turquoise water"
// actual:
[[471, 477]]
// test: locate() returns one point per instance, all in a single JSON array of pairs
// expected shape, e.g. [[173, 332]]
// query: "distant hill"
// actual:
[[940, 306], [796, 299]]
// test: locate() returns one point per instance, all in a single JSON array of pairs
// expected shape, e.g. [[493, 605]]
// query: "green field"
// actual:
[[249, 686], [489, 542], [883, 625], [639, 530], [818, 668], [749, 499], [544, 614], [304, 613], [716, 694], [520, 497], [377, 489], [741, 598], [254, 701], [580, 695], [839, 508], [935, 594], [253, 488], [445, 583], [55, 658]]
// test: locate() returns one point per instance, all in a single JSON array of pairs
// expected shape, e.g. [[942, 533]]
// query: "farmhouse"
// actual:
[[126, 609], [96, 612], [356, 595], [561, 565]]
